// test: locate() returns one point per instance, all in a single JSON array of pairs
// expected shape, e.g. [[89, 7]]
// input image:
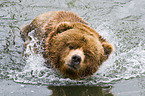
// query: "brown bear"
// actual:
[[72, 47]]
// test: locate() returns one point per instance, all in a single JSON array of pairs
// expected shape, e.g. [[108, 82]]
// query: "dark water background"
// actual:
[[122, 22]]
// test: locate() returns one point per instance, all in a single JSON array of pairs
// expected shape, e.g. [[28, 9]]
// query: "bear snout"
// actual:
[[75, 62], [76, 59]]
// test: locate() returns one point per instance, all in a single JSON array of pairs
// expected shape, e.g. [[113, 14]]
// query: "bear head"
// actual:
[[76, 50]]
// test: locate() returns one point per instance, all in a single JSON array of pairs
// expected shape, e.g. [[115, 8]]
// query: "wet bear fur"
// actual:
[[72, 47]]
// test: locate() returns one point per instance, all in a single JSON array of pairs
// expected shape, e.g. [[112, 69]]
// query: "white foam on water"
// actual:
[[131, 63], [33, 61]]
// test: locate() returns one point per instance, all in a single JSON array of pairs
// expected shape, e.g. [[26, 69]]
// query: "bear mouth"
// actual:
[[73, 66]]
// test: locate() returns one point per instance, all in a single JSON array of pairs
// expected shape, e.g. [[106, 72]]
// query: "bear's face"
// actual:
[[76, 52]]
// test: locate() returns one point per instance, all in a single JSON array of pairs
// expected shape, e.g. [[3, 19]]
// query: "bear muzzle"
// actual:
[[75, 59], [75, 62]]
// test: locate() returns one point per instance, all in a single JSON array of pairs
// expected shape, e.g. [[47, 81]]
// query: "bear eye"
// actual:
[[71, 47]]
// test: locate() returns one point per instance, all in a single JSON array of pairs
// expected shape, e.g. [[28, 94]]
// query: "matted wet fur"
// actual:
[[72, 47]]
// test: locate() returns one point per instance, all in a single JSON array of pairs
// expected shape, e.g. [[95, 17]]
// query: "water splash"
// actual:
[[127, 65], [123, 66]]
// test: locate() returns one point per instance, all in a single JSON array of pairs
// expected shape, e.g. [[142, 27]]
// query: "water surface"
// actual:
[[121, 22]]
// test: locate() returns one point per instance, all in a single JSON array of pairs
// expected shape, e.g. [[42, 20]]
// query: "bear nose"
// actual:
[[76, 59]]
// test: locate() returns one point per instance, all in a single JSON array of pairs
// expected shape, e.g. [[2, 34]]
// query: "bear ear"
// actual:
[[108, 48], [63, 26]]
